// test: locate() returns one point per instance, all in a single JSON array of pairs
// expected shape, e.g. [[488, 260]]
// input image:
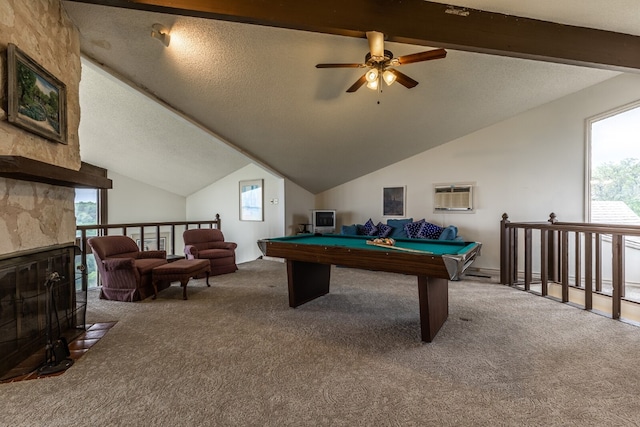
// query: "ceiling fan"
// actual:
[[381, 62]]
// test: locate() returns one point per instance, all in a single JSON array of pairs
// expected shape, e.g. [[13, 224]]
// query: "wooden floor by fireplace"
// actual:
[[28, 369]]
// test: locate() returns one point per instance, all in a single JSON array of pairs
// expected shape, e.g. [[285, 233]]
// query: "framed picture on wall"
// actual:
[[37, 100], [151, 245], [251, 200], [393, 201]]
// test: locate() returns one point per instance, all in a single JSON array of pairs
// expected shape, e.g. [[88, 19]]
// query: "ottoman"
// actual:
[[181, 270]]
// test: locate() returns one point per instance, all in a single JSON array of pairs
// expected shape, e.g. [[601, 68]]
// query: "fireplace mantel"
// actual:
[[25, 169]]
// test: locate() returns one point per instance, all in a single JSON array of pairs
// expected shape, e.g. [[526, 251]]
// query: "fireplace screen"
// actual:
[[23, 324]]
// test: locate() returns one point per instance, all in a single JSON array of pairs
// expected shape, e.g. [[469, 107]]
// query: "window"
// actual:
[[613, 184], [86, 204], [251, 200]]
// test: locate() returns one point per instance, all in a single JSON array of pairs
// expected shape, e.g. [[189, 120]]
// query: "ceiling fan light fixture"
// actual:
[[372, 75], [389, 77], [381, 65], [159, 32]]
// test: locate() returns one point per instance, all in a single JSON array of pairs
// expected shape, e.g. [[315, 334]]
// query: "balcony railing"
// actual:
[[148, 235], [594, 266]]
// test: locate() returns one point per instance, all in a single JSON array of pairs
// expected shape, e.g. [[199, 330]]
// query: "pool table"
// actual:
[[309, 258]]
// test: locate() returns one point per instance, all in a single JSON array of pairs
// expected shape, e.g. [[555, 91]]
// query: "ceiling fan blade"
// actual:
[[403, 79], [340, 65], [354, 87], [421, 56], [376, 44]]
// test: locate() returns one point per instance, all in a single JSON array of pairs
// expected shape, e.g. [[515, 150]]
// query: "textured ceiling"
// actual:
[[257, 89], [127, 132]]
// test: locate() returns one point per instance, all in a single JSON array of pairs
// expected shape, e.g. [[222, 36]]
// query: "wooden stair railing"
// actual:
[[123, 229], [555, 254]]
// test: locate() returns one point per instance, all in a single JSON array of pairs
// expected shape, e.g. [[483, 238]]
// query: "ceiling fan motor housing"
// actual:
[[388, 55]]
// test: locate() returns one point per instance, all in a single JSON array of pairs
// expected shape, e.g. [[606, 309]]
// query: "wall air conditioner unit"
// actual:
[[453, 198]]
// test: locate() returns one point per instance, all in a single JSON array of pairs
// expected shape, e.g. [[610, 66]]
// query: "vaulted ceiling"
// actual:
[[225, 93]]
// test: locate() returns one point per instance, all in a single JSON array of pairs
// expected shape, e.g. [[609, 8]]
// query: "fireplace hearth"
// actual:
[[23, 298]]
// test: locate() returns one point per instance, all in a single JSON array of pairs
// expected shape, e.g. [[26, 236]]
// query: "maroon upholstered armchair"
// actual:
[[208, 243], [125, 271]]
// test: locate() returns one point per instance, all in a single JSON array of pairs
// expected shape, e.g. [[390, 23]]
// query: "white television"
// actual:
[[323, 221]]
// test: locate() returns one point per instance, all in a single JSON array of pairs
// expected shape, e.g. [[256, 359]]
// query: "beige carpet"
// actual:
[[235, 354]]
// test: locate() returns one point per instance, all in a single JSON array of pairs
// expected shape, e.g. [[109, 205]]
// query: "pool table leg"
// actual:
[[307, 281], [434, 305]]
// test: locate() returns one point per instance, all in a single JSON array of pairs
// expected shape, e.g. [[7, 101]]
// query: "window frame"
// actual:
[[588, 144]]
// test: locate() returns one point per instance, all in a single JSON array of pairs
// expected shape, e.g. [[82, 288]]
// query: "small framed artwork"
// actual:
[[150, 244], [251, 200], [37, 100], [393, 201]]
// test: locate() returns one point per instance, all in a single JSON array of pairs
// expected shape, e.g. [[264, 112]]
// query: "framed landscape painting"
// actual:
[[393, 201], [37, 100]]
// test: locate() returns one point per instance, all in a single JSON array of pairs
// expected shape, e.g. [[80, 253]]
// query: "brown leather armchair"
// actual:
[[208, 243], [125, 271]]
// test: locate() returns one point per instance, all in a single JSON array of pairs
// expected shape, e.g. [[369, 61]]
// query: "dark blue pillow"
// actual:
[[413, 228], [429, 231], [398, 227], [384, 230], [449, 233], [370, 228], [349, 230]]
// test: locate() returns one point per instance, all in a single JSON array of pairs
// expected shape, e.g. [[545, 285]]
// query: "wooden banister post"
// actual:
[[553, 253], [618, 274], [544, 262], [564, 264], [528, 261], [588, 271], [504, 251], [83, 259]]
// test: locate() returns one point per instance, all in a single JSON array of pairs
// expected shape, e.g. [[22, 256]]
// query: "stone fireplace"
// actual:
[[37, 180], [35, 213]]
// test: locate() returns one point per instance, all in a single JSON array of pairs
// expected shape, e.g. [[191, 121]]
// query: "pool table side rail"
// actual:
[[389, 261]]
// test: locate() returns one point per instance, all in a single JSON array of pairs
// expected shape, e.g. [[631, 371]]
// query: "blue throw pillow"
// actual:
[[449, 233], [349, 230], [383, 230], [398, 231], [413, 228], [370, 228], [429, 231]]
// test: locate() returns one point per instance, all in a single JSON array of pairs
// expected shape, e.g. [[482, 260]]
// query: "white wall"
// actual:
[[299, 203], [223, 197], [132, 201], [527, 166]]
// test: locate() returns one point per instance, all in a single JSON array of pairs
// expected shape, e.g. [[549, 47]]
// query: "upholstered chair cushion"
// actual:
[[125, 271], [209, 243]]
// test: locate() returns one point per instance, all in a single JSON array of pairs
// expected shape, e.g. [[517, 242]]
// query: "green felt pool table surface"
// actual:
[[433, 247]]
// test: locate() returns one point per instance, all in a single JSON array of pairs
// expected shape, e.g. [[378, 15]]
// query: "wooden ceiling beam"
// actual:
[[422, 23]]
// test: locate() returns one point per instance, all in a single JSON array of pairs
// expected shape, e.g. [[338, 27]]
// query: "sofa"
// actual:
[[405, 228], [125, 270]]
